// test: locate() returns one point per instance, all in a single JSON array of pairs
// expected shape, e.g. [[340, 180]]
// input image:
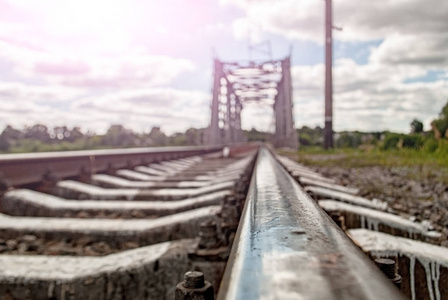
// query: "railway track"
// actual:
[[128, 224]]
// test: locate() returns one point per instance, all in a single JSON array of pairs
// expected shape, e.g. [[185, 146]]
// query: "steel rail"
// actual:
[[286, 247], [29, 168]]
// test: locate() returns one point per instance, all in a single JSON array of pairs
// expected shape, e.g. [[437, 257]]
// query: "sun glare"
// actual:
[[83, 16], [106, 22], [102, 24], [84, 27]]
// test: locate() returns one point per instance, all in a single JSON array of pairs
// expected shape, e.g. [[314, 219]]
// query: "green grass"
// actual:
[[419, 165], [356, 158]]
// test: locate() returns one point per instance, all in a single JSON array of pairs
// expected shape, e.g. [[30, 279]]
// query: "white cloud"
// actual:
[[368, 20], [361, 20], [19, 92], [243, 29], [22, 113], [427, 50], [368, 97], [257, 116], [61, 89], [173, 110], [412, 31], [290, 18], [130, 70]]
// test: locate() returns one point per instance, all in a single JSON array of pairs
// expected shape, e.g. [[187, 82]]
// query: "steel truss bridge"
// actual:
[[235, 84]]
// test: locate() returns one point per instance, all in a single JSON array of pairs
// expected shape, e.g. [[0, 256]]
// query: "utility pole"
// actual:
[[328, 129]]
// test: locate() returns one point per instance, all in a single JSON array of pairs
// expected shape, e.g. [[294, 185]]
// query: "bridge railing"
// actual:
[[286, 247]]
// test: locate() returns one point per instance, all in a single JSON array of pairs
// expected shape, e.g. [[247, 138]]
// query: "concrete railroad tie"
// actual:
[[31, 203], [181, 225], [149, 272]]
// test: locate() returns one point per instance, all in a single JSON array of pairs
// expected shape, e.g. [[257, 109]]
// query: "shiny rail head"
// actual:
[[287, 248]]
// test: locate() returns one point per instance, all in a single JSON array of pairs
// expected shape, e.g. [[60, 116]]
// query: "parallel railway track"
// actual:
[[127, 224]]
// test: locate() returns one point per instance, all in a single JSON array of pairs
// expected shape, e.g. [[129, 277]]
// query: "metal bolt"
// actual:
[[241, 199], [110, 169], [48, 182], [194, 287], [84, 175], [208, 228], [244, 179], [229, 225], [388, 267], [194, 280], [338, 218], [230, 200], [209, 235], [230, 213], [49, 176]]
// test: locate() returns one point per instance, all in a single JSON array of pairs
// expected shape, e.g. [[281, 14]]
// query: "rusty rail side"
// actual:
[[286, 247], [29, 168]]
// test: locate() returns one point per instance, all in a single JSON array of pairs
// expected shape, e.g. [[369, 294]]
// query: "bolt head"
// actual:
[[205, 293], [387, 266], [194, 279], [208, 227]]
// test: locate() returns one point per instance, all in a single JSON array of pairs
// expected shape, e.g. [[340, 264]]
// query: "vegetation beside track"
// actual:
[[355, 158], [419, 154]]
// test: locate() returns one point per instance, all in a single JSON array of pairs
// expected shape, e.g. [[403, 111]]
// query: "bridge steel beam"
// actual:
[[234, 111], [225, 123], [285, 133], [214, 132]]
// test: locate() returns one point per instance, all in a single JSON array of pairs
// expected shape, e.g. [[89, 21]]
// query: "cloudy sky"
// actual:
[[144, 63]]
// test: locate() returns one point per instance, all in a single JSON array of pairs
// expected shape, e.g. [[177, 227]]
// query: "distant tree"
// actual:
[[192, 136], [157, 136], [177, 139], [412, 141], [349, 140], [391, 141], [416, 126], [4, 143], [63, 133], [255, 135], [9, 137], [440, 125], [76, 134], [305, 139], [60, 133], [37, 132], [310, 136], [39, 138], [435, 130], [397, 141], [12, 134], [118, 136]]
